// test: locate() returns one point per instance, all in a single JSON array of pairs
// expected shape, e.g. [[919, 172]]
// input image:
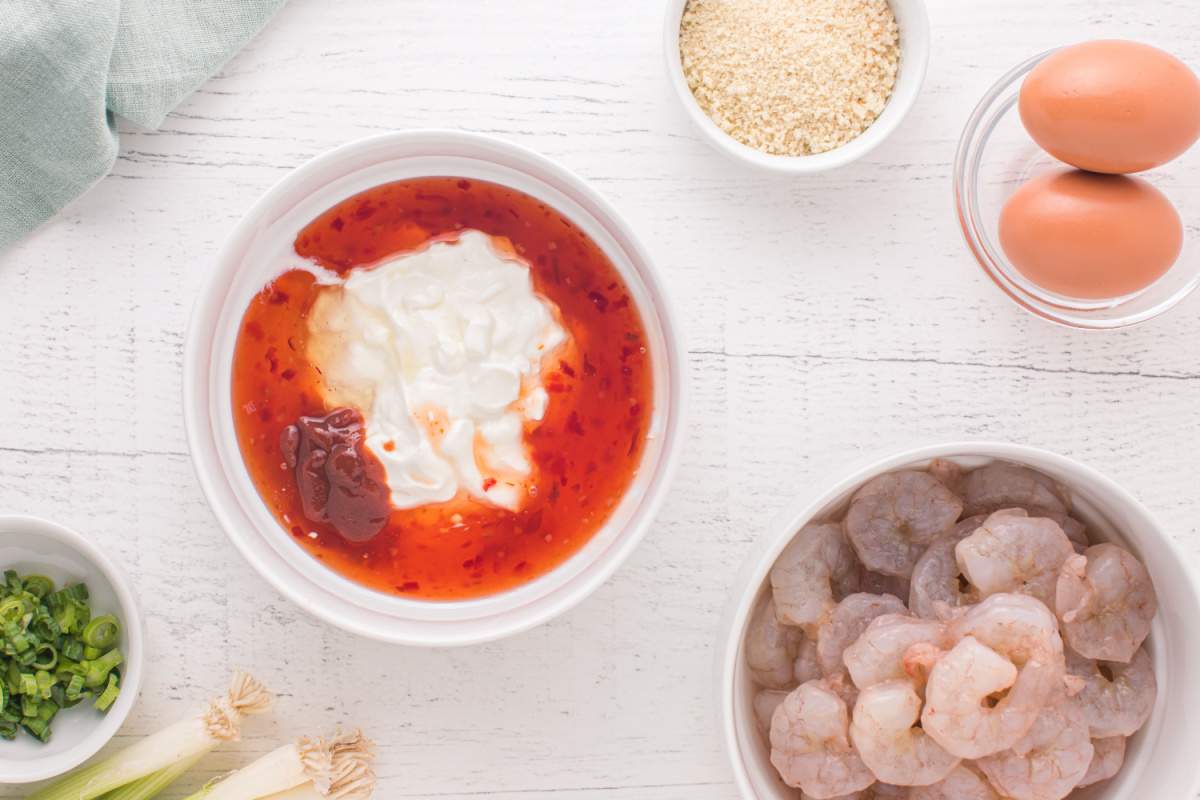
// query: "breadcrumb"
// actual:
[[790, 77]]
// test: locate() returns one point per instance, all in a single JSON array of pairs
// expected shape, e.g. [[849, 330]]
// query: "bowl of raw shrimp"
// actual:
[[967, 621]]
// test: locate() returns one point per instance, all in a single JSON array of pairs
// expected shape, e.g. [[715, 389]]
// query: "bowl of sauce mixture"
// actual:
[[433, 388]]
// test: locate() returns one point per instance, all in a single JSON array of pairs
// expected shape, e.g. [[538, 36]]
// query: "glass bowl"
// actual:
[[996, 156]]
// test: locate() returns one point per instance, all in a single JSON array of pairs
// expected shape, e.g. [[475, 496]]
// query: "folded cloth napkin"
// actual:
[[69, 67]]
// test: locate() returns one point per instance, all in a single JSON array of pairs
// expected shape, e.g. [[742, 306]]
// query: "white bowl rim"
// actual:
[[372, 624], [915, 50], [37, 769], [753, 572]]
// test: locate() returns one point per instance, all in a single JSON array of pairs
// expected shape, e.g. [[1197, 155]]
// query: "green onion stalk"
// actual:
[[166, 751], [338, 768]]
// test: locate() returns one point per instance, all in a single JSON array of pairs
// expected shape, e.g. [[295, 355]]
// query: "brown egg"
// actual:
[[1090, 236], [1112, 106]]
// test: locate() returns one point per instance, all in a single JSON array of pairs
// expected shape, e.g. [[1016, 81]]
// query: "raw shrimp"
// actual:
[[885, 732], [847, 622], [1107, 761], [1009, 641], [1003, 485], [1116, 698], [937, 582], [1106, 602], [810, 744], [1014, 552], [956, 713], [1017, 626], [963, 783], [806, 667], [765, 702], [948, 473], [771, 648], [1075, 530], [813, 572], [878, 583], [1049, 760], [876, 791], [878, 654], [894, 517]]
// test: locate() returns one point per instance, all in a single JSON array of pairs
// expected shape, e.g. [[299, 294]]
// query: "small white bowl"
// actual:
[[256, 251], [913, 21], [1159, 761], [32, 545]]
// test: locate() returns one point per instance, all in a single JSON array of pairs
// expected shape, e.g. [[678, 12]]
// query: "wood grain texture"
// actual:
[[829, 319]]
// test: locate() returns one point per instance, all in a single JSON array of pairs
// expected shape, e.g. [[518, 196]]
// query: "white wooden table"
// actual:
[[829, 318]]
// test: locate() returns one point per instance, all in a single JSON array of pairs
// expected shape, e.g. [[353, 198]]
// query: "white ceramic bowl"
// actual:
[[1159, 761], [257, 250], [913, 21], [32, 545]]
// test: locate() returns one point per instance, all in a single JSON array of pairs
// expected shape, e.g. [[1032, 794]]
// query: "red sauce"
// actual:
[[585, 451]]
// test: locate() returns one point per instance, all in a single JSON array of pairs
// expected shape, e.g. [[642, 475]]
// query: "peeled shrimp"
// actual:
[[963, 783], [1106, 602], [878, 654], [771, 648], [1107, 761], [948, 473], [765, 702], [806, 667], [936, 584], [956, 714], [1075, 530], [810, 744], [1003, 485], [1014, 552], [1116, 698], [813, 572], [1021, 630], [895, 516], [847, 622], [878, 583], [1017, 626], [883, 730], [1049, 760], [876, 791]]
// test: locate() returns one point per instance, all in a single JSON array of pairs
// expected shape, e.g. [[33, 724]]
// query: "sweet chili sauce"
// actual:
[[586, 450]]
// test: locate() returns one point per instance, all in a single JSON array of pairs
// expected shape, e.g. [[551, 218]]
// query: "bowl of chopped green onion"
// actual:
[[70, 649]]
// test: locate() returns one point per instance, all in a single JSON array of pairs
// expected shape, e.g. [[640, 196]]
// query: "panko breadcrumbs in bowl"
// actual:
[[797, 85]]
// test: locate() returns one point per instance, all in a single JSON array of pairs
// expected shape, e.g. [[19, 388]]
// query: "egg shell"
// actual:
[[1084, 235], [1112, 106]]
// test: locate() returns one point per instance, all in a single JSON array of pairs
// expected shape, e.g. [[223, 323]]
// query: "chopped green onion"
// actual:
[[109, 694], [45, 681], [76, 592], [51, 653], [38, 585], [12, 609], [73, 649], [101, 632], [45, 657], [97, 671], [190, 738]]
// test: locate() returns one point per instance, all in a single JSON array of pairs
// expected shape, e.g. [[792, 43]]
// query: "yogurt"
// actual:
[[442, 351]]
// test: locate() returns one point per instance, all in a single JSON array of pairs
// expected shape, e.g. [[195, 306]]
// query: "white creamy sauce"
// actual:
[[441, 350]]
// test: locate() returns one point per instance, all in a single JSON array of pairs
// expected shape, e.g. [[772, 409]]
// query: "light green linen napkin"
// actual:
[[69, 67]]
